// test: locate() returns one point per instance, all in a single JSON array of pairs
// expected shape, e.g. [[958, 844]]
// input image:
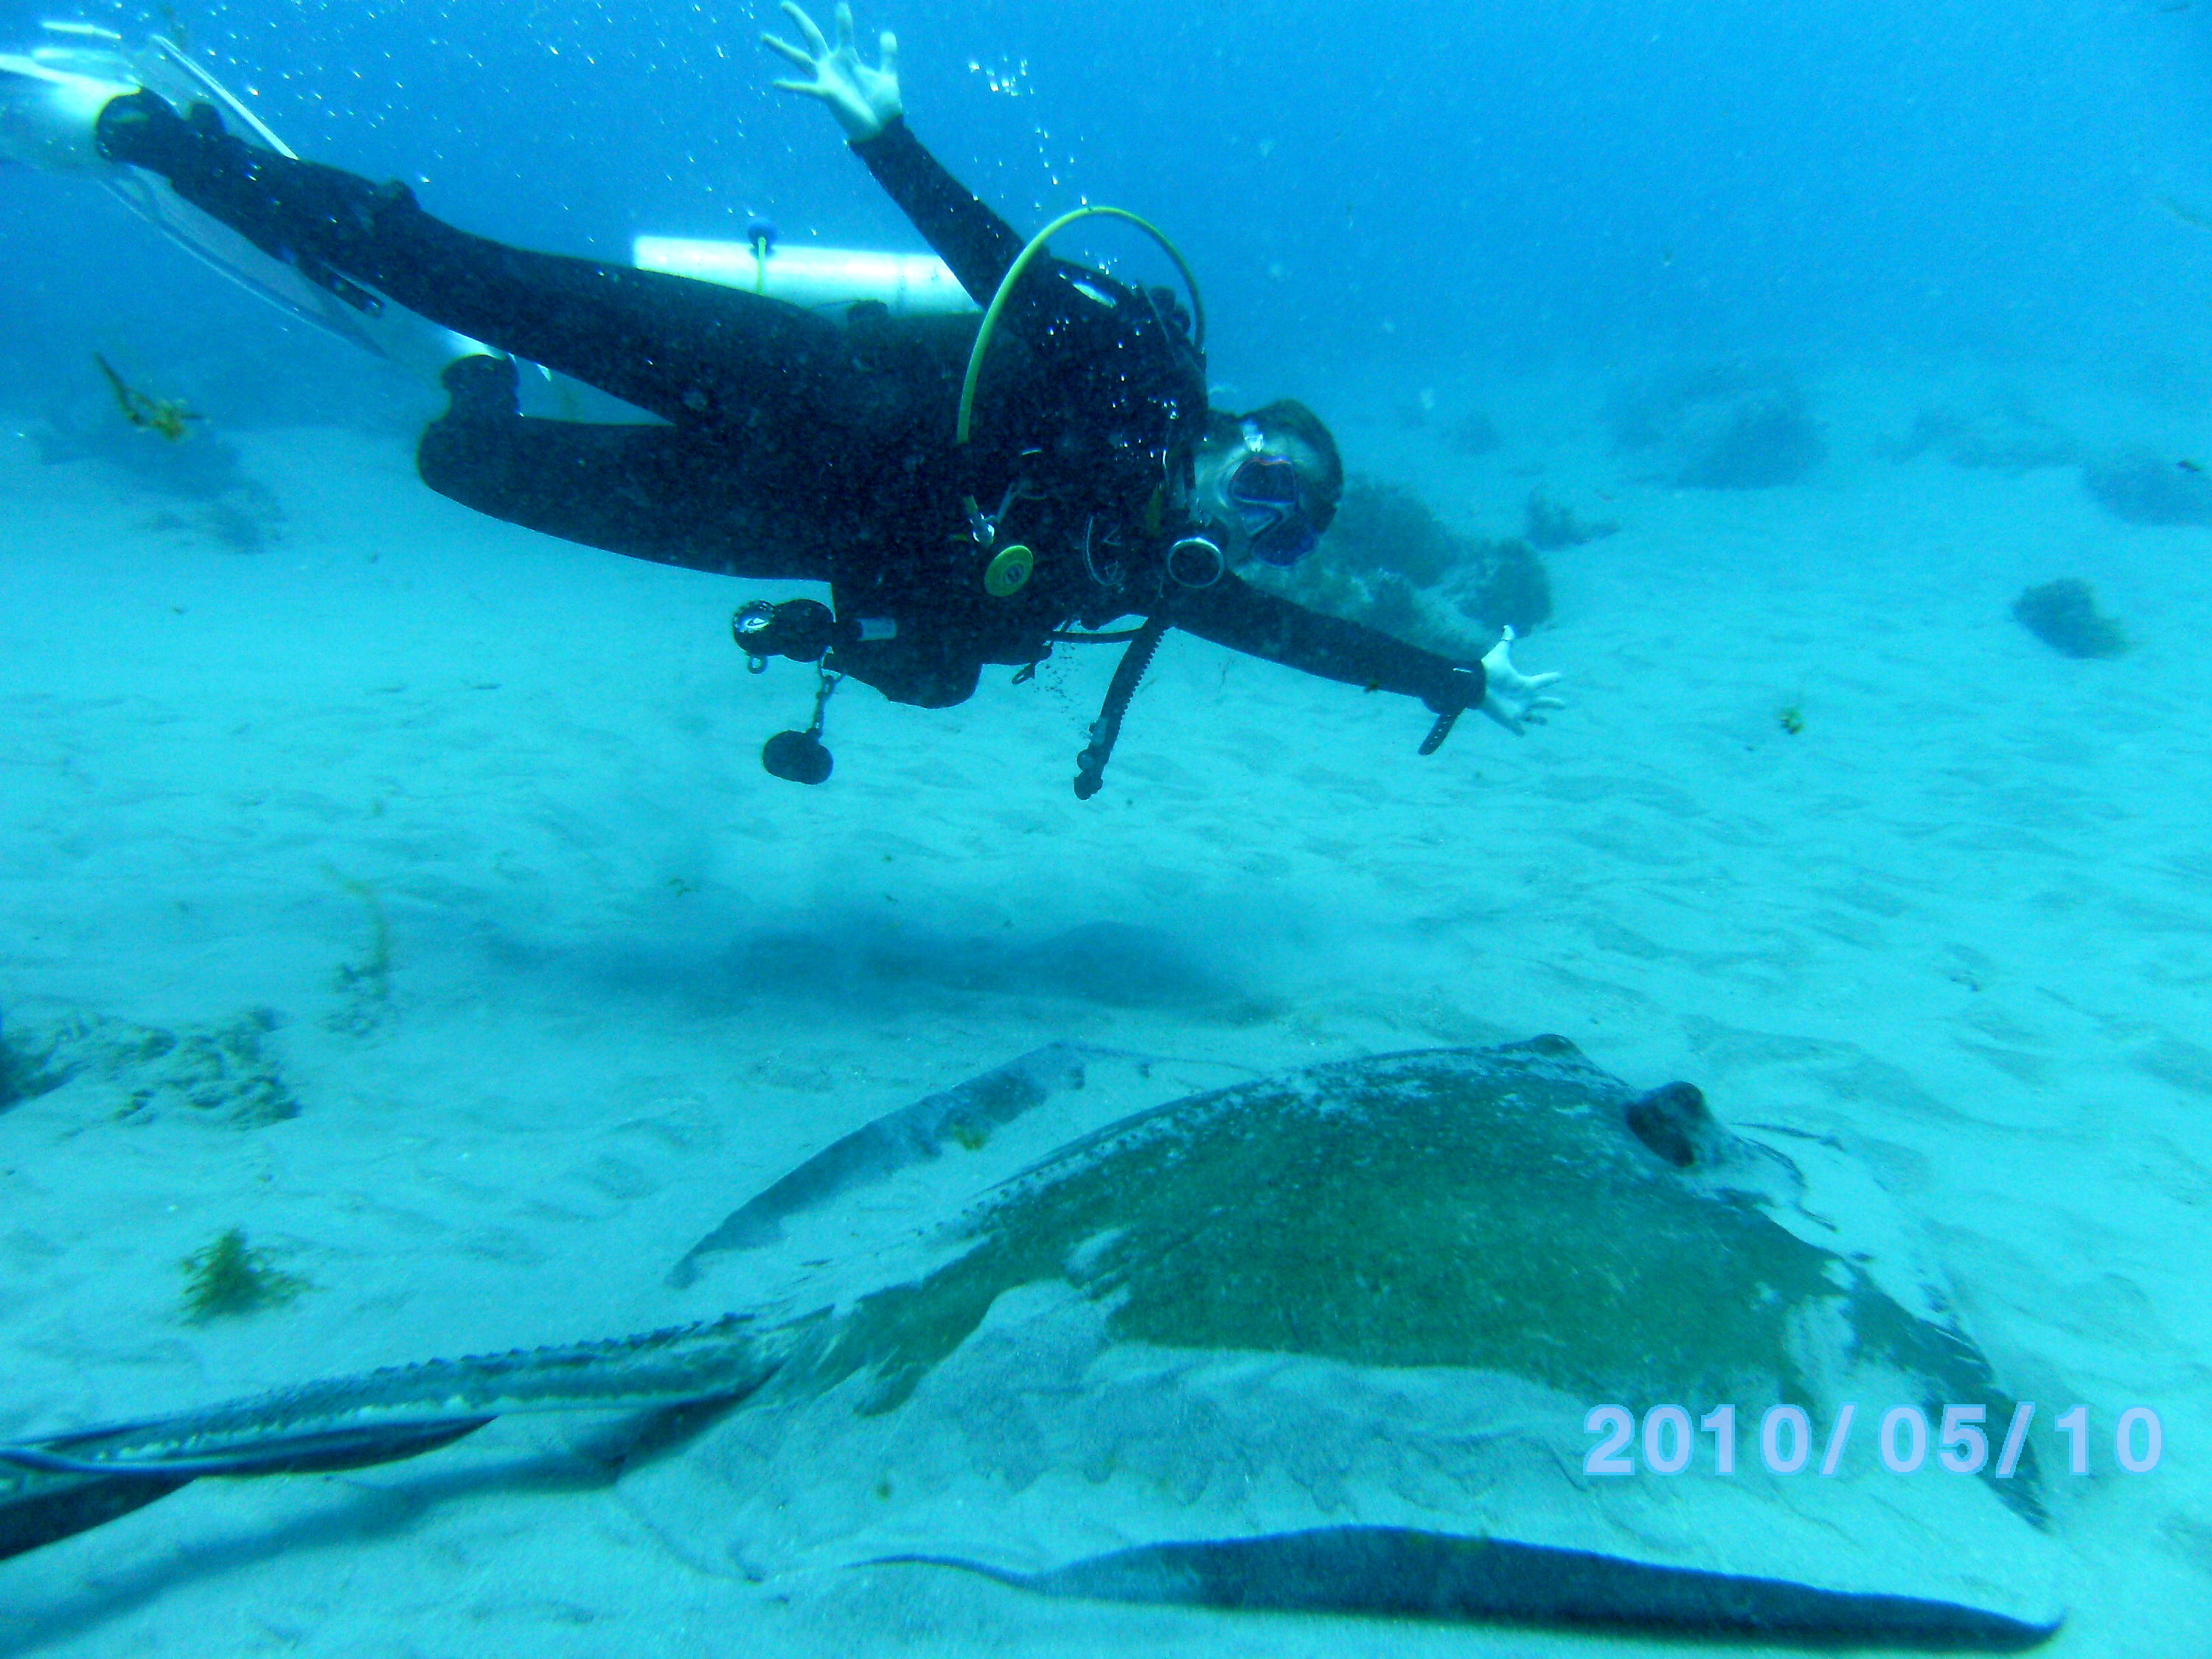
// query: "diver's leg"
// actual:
[[690, 352], [672, 496]]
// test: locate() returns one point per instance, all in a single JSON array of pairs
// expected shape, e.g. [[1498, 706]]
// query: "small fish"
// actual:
[[2187, 216], [2188, 465], [167, 416]]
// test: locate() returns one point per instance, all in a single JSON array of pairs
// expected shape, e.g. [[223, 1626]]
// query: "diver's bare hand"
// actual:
[[1509, 696], [865, 100]]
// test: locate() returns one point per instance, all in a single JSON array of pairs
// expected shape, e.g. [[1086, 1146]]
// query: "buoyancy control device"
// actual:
[[910, 284]]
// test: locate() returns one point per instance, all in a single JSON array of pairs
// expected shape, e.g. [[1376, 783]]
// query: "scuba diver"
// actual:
[[971, 493]]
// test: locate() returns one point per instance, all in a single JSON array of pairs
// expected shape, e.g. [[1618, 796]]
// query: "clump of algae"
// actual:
[[227, 1277], [367, 988]]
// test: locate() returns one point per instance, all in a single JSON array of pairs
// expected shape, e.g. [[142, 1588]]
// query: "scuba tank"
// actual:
[[907, 285]]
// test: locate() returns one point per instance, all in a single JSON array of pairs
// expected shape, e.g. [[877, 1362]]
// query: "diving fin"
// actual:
[[51, 98]]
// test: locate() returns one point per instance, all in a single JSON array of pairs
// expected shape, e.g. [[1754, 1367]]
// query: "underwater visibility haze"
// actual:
[[1621, 1058]]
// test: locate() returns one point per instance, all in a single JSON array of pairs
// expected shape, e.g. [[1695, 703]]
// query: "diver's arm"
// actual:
[[979, 246], [865, 100], [1245, 619], [1234, 613]]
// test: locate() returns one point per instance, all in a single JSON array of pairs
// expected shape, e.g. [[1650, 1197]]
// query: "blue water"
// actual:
[[1374, 189]]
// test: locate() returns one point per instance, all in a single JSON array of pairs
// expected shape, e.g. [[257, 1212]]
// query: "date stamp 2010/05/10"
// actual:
[[1669, 1445]]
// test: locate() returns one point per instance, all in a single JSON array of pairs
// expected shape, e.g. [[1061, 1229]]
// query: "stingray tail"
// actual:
[[58, 1488], [51, 1489]]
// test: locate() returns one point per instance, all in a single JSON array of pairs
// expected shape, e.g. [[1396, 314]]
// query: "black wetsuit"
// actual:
[[804, 447]]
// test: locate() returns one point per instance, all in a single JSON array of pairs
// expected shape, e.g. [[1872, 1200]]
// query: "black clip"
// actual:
[[1450, 714], [751, 627]]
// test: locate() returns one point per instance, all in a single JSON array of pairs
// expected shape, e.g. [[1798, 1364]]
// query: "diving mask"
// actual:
[[1269, 497]]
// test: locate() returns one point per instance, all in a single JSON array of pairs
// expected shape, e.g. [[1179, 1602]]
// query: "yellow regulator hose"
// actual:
[[1022, 262]]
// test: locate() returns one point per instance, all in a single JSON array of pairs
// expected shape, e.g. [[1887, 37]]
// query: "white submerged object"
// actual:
[[909, 284]]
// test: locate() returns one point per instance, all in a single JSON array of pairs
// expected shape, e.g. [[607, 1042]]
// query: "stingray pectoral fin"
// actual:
[[1404, 1573]]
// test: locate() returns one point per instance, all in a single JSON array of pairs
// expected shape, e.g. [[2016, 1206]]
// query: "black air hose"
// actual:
[[1091, 764]]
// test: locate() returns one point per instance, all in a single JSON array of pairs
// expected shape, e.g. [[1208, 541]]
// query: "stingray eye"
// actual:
[[1670, 1120]]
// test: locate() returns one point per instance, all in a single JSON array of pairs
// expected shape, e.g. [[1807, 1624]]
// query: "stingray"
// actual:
[[1341, 1341]]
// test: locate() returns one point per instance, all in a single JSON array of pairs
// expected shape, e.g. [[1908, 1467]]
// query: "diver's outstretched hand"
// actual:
[[1508, 696], [865, 100]]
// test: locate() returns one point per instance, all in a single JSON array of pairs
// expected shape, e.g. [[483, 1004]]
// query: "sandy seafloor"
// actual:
[[1962, 918]]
